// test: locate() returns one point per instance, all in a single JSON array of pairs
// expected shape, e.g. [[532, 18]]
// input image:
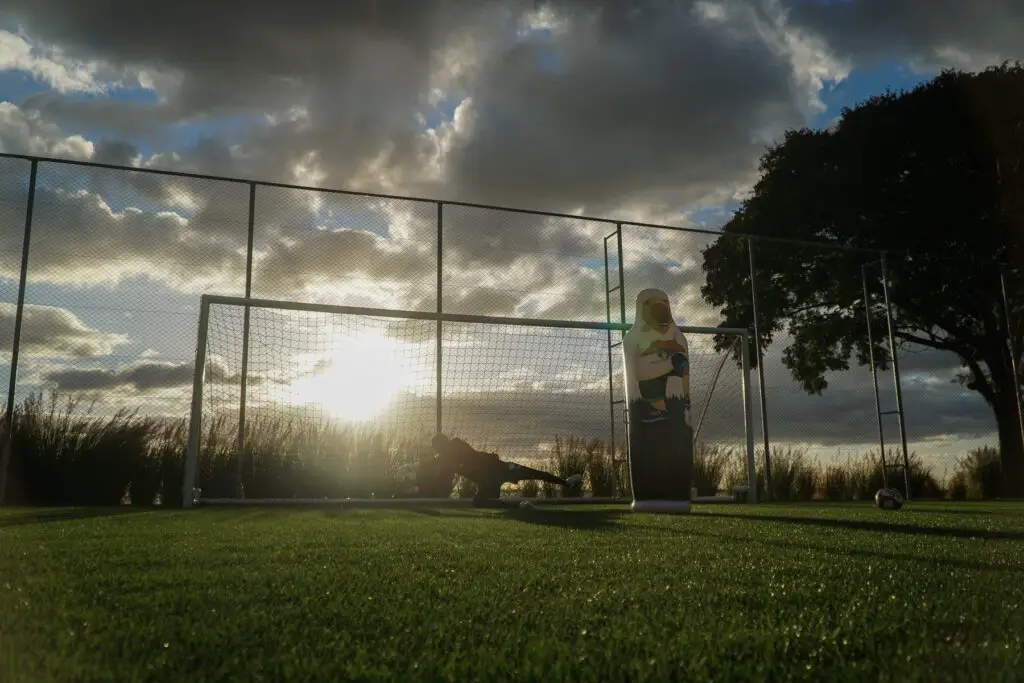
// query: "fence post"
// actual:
[[622, 275], [240, 445], [195, 423], [874, 374], [748, 418], [760, 372], [1013, 352], [440, 310], [8, 425], [622, 335], [611, 372]]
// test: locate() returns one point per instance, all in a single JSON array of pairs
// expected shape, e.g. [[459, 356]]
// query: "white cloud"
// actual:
[[47, 64], [22, 133]]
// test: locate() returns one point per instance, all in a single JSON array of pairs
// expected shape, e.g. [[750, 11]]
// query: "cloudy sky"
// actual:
[[647, 111]]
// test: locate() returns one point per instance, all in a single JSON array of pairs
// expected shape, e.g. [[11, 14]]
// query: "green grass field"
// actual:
[[815, 592]]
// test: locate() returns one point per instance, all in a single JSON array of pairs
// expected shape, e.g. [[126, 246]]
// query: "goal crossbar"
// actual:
[[208, 300]]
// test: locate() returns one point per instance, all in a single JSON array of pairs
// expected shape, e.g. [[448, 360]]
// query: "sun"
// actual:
[[356, 381]]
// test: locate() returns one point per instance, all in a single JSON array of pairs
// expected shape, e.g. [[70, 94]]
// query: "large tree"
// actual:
[[935, 177]]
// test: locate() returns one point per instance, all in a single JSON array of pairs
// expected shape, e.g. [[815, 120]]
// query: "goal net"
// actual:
[[297, 401]]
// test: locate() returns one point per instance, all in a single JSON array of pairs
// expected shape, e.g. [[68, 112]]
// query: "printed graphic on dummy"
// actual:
[[657, 360]]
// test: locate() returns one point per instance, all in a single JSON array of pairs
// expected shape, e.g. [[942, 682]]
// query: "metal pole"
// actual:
[[8, 426], [896, 376], [748, 417], [440, 310], [611, 371], [760, 372], [622, 276], [1013, 353], [622, 320], [196, 418], [874, 374], [240, 445]]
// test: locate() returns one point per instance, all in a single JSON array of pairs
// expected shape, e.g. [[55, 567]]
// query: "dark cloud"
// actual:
[[608, 104], [939, 31], [115, 152], [52, 331], [142, 376], [663, 99]]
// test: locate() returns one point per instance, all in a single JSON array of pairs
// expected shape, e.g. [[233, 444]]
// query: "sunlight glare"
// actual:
[[356, 381]]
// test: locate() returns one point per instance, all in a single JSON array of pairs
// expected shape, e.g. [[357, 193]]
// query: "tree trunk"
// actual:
[[1011, 445]]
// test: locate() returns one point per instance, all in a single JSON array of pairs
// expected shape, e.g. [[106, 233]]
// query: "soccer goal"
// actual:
[[299, 402]]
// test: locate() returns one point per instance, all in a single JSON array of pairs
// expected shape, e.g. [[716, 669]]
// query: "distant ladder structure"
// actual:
[[894, 358], [615, 404]]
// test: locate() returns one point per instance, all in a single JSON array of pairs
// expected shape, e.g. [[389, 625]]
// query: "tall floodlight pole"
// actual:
[[1013, 352], [896, 375], [8, 425], [760, 372]]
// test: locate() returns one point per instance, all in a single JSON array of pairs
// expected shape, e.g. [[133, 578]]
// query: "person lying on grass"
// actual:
[[486, 470]]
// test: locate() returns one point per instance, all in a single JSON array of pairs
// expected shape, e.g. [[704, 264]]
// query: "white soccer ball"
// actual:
[[575, 480], [525, 504], [889, 498]]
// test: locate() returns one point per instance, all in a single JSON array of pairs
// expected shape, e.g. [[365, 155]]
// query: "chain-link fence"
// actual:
[[117, 259]]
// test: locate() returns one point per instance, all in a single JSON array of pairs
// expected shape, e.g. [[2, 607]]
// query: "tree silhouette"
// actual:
[[935, 177]]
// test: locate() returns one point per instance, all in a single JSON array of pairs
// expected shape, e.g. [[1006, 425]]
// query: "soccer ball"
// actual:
[[575, 480], [889, 499]]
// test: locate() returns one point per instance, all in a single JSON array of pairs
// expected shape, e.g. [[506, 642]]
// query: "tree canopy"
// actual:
[[934, 177]]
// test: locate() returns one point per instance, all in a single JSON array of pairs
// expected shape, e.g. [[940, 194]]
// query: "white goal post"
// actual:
[[514, 380]]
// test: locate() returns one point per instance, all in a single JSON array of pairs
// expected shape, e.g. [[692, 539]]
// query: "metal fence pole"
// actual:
[[240, 445], [439, 359], [8, 426], [748, 418], [1013, 352], [195, 424], [874, 374], [622, 274], [622, 319], [760, 372], [896, 375], [611, 371]]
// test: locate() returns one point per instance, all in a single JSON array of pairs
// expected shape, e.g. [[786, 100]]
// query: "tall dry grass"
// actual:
[[63, 455]]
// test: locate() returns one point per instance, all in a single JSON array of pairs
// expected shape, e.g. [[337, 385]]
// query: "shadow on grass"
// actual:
[[570, 519], [899, 528], [29, 516], [797, 547], [554, 516], [943, 509]]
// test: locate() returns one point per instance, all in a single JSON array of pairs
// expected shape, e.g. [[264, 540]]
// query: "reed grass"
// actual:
[[63, 455]]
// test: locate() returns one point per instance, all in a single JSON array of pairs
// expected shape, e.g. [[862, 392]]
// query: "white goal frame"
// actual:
[[195, 420]]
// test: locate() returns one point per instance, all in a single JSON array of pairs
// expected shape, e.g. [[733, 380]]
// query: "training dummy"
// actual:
[[657, 375]]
